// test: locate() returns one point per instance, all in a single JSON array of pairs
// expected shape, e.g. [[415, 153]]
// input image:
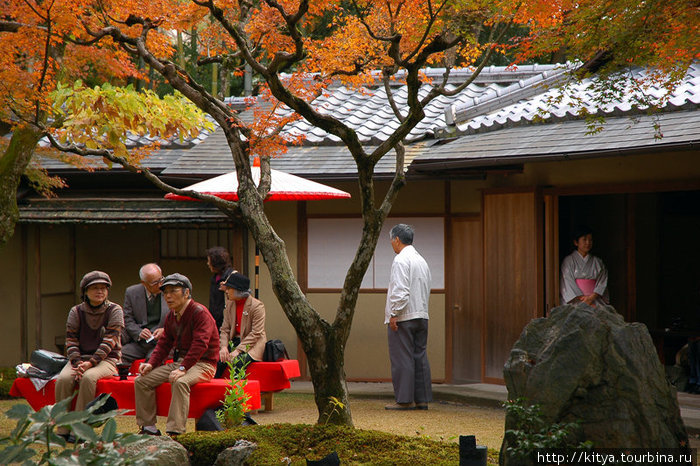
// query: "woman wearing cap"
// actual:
[[243, 329], [584, 277], [93, 343]]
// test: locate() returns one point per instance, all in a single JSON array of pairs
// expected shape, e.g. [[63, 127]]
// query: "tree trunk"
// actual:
[[323, 343], [12, 164]]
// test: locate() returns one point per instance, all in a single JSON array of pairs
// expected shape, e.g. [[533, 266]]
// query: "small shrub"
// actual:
[[235, 403], [7, 377], [37, 428], [531, 432]]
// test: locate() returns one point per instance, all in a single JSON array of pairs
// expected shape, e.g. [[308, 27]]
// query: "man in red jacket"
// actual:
[[190, 331]]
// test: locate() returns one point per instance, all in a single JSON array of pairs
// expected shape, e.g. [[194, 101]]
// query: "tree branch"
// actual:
[[223, 205], [363, 21], [10, 26], [386, 74]]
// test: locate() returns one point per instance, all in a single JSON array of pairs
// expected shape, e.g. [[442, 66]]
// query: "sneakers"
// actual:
[[399, 406], [145, 431]]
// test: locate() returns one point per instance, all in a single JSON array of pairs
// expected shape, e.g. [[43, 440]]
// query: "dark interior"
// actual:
[[659, 284]]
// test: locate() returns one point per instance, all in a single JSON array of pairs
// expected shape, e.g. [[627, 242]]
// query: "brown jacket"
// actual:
[[253, 336]]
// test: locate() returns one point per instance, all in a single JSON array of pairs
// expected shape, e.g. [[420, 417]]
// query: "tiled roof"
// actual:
[[368, 112], [492, 105], [507, 111], [313, 162], [131, 210], [562, 140]]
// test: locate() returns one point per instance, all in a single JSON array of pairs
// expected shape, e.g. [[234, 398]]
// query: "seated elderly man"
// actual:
[[144, 315], [190, 331]]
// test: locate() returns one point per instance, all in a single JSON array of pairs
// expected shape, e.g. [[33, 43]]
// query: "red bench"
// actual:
[[272, 376], [204, 395]]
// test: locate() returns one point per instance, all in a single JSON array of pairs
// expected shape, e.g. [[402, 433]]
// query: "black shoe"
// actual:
[[143, 431], [172, 434]]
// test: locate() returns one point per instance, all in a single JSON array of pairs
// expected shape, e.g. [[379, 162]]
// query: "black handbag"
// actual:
[[49, 362], [274, 351]]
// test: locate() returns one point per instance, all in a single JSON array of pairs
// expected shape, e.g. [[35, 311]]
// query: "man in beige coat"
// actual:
[[242, 336]]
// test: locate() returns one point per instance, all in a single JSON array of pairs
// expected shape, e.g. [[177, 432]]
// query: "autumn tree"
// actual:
[[39, 93], [395, 39]]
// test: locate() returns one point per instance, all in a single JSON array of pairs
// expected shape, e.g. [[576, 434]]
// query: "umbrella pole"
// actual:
[[257, 270]]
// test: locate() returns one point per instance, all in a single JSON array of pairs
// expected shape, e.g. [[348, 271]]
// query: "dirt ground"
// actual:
[[443, 421]]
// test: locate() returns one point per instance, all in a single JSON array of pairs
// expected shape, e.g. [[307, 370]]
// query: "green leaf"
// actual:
[[84, 431], [16, 454], [66, 419], [109, 431], [101, 400], [98, 419], [19, 412], [42, 415]]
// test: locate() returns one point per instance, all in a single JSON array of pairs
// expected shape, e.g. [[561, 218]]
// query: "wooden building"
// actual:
[[494, 191]]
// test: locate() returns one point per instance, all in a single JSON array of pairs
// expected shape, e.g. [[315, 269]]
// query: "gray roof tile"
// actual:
[[565, 139]]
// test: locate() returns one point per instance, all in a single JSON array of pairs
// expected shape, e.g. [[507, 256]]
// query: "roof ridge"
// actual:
[[499, 98]]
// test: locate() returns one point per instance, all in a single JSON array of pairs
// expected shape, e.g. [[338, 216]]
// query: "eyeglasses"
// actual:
[[155, 282]]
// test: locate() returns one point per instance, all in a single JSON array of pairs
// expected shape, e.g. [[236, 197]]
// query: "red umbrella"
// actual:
[[283, 187]]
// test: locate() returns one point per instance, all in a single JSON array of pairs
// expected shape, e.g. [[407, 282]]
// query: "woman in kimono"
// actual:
[[584, 277]]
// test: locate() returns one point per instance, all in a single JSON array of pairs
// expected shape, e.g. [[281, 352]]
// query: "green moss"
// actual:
[[7, 376], [298, 442]]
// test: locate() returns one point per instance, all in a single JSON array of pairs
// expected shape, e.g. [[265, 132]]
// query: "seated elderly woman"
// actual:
[[584, 277], [243, 330], [93, 342]]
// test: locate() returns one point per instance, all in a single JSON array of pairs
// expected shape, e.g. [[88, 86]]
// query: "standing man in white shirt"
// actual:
[[406, 314]]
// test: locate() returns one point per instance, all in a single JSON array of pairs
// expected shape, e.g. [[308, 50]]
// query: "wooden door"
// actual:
[[465, 298], [513, 273]]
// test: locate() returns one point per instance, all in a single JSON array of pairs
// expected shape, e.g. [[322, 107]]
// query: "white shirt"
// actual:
[[409, 287]]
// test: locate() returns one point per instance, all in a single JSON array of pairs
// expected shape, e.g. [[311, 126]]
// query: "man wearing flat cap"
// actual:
[[242, 337], [190, 331]]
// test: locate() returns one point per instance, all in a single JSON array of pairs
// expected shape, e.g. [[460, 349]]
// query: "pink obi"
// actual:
[[587, 285]]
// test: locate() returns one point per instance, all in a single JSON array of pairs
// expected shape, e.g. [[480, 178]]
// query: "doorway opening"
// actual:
[[648, 243]]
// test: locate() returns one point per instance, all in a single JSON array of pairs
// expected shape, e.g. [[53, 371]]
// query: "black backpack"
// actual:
[[274, 351]]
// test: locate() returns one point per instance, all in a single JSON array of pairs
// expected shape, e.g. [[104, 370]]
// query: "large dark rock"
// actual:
[[587, 364]]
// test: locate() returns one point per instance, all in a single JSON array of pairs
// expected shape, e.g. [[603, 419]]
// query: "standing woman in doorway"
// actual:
[[219, 263], [584, 277]]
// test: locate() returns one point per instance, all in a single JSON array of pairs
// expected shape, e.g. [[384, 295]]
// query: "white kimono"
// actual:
[[574, 267]]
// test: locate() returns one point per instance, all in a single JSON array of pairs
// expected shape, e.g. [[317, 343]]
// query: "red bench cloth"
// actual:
[[274, 376], [24, 388], [205, 395], [134, 368]]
